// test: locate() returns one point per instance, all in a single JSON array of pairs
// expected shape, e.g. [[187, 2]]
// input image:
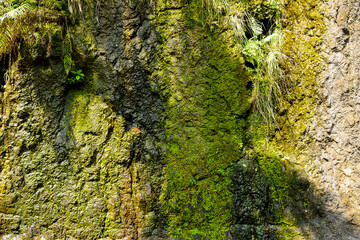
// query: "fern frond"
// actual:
[[5, 38], [17, 12], [254, 53], [8, 32]]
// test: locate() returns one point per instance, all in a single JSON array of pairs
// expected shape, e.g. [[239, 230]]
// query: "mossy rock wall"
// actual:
[[205, 95], [161, 139], [320, 43], [80, 160]]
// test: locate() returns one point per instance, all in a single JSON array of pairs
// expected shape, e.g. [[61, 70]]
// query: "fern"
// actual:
[[12, 25], [23, 21], [17, 12]]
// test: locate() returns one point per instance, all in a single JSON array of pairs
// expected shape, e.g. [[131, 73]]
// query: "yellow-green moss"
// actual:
[[304, 27], [303, 40], [203, 81], [206, 101]]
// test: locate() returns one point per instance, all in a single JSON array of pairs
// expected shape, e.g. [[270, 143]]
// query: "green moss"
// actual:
[[67, 54], [207, 126], [303, 41], [204, 85], [206, 100], [271, 163]]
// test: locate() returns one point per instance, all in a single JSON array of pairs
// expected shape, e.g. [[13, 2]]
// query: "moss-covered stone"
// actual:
[[203, 80], [204, 86], [82, 161]]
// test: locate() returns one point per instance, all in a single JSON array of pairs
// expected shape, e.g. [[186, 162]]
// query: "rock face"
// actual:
[[324, 148], [335, 165], [80, 160], [160, 140]]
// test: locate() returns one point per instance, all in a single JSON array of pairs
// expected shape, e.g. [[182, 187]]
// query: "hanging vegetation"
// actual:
[[260, 35], [37, 21]]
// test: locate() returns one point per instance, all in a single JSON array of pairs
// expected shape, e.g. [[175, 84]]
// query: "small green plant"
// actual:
[[12, 24], [264, 52], [261, 46], [76, 76]]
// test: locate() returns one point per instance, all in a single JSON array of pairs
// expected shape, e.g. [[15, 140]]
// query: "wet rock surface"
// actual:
[[253, 206]]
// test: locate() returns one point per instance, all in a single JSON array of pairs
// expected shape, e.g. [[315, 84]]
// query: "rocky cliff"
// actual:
[[183, 125], [332, 164]]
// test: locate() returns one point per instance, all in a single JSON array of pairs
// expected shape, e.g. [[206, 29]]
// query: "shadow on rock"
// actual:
[[301, 214]]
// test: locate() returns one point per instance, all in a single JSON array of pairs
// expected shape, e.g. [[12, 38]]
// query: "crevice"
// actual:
[[267, 26], [3, 73], [250, 65], [109, 134], [171, 9], [249, 85], [92, 133], [93, 159]]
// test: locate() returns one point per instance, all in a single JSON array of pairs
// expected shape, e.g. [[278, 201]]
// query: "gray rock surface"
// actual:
[[327, 143], [335, 167]]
